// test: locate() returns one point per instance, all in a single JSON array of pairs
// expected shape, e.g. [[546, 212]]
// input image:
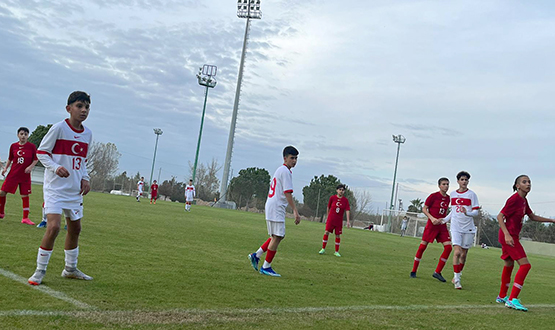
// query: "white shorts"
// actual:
[[464, 240], [276, 228], [189, 199], [74, 213]]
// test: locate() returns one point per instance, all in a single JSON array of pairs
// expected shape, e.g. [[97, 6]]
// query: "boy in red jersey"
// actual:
[[510, 223], [279, 196], [63, 152], [435, 208], [337, 205], [153, 192], [22, 158]]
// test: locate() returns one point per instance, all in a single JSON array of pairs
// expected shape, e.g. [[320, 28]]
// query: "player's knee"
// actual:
[[2, 193]]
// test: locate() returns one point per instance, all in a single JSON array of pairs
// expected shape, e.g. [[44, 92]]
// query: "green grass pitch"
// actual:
[[158, 267]]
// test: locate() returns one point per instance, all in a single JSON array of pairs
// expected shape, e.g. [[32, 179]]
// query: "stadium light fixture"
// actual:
[[399, 139], [249, 9], [158, 132], [206, 77]]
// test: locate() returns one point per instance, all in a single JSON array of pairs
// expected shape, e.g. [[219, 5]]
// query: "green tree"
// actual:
[[103, 160], [250, 187], [324, 186], [37, 135], [415, 206], [206, 180]]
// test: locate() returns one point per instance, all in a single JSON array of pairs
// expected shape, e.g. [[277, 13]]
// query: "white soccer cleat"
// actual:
[[76, 274], [458, 285], [37, 277]]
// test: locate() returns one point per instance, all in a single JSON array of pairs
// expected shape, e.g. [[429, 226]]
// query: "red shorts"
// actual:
[[10, 186], [153, 195], [515, 252], [331, 226], [437, 232]]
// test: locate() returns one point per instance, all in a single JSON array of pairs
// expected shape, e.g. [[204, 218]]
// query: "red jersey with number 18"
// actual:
[[337, 207], [21, 156], [64, 146]]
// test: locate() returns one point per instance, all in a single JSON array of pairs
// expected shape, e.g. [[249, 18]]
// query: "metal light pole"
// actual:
[[158, 132], [249, 9], [397, 139], [206, 77]]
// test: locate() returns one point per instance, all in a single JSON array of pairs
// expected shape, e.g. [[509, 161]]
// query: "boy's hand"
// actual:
[[297, 217], [4, 171], [509, 240], [28, 169], [85, 187], [62, 172]]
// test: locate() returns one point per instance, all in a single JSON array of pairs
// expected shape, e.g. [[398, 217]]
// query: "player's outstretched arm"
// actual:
[[289, 197], [538, 218]]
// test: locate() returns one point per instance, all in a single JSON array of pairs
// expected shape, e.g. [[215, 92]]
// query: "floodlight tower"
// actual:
[[206, 77], [158, 132], [397, 139], [249, 9]]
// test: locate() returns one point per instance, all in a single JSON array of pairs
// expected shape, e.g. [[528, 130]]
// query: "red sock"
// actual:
[[337, 243], [461, 267], [264, 246], [270, 256], [418, 256], [519, 280], [505, 280], [324, 241], [457, 268], [443, 259], [2, 204], [25, 207]]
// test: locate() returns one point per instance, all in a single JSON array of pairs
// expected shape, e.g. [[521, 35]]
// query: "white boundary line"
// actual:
[[46, 290], [261, 310]]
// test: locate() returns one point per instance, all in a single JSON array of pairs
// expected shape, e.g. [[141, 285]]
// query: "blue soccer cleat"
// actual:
[[515, 304], [254, 260], [269, 271], [42, 224], [501, 300]]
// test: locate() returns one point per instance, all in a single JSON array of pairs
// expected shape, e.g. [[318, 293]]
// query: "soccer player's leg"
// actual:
[[518, 254], [255, 257], [428, 236], [71, 246], [338, 232], [8, 187], [327, 232], [447, 248], [46, 246], [277, 231], [25, 190]]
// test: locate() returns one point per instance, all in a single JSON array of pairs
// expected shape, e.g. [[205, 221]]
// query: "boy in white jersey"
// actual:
[[63, 152], [279, 196], [140, 186], [189, 195], [464, 207]]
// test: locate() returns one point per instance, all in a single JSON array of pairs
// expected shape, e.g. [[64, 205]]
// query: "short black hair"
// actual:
[[78, 96], [339, 186], [518, 178], [24, 129], [463, 173], [441, 180], [290, 150]]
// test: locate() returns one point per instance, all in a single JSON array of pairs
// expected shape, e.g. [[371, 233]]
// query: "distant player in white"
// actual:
[[279, 196], [189, 195], [404, 225], [140, 186], [63, 152], [464, 207]]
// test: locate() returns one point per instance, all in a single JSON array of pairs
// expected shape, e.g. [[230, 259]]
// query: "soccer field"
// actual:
[[156, 266]]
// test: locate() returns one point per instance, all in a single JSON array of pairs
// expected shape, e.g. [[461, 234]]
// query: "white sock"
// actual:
[[266, 264], [457, 277], [71, 258], [259, 252], [43, 257]]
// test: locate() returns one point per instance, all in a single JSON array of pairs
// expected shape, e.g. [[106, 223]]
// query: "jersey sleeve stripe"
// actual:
[[40, 152], [288, 191]]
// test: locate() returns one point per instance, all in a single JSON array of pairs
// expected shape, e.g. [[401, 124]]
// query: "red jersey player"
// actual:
[[435, 208], [153, 192], [63, 152], [510, 223], [337, 206], [22, 158], [279, 196]]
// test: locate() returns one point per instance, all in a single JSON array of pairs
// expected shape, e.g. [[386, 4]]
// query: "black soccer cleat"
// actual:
[[439, 277], [412, 274]]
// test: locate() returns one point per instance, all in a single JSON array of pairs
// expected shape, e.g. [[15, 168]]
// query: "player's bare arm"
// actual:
[[508, 238], [29, 168], [8, 163], [289, 197], [426, 211], [538, 218], [348, 219], [85, 187]]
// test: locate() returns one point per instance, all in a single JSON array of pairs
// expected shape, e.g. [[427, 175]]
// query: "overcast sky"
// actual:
[[470, 84]]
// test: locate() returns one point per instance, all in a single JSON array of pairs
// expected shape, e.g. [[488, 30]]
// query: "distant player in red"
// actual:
[[435, 208], [153, 192], [22, 158], [510, 223], [337, 206]]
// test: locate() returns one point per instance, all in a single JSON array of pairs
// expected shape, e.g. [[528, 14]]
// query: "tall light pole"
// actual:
[[397, 139], [158, 132], [249, 9], [206, 77]]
